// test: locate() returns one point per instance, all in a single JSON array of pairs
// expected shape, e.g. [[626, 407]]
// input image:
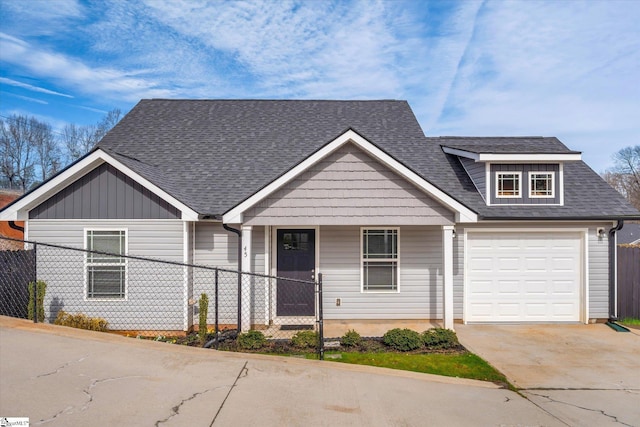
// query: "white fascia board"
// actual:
[[517, 158], [19, 210], [463, 214]]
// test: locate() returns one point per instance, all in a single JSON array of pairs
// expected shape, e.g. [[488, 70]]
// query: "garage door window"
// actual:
[[380, 260]]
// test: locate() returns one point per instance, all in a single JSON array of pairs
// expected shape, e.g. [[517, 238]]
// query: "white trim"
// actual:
[[463, 214], [267, 267], [508, 158], [185, 259], [553, 184], [20, 209], [247, 258], [561, 183], [126, 264], [487, 172], [497, 181], [584, 258], [396, 260], [447, 276]]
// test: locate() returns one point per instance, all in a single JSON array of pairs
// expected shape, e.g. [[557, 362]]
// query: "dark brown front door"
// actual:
[[296, 260]]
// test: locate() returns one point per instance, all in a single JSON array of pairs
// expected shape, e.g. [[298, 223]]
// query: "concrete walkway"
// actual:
[[585, 375], [60, 376]]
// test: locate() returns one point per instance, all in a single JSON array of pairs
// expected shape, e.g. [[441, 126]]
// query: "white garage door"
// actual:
[[523, 277]]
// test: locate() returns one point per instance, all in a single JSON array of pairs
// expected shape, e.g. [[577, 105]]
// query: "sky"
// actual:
[[563, 68]]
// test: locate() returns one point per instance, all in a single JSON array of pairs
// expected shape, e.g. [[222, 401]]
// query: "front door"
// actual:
[[296, 260]]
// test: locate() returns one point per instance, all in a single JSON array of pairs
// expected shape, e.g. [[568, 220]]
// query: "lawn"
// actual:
[[630, 321], [462, 365]]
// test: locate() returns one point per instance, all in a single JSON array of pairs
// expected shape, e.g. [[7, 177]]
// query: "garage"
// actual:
[[524, 276]]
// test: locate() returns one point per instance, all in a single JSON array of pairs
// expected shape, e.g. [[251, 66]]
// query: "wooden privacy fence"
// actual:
[[629, 281]]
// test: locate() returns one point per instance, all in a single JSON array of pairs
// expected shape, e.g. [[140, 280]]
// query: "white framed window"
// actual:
[[380, 259], [106, 275], [541, 184], [508, 184]]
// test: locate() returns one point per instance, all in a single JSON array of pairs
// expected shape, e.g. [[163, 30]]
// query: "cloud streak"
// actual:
[[4, 80]]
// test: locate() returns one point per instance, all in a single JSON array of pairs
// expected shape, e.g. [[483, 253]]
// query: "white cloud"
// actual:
[[15, 83]]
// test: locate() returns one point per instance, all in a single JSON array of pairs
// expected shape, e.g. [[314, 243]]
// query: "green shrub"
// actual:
[[440, 338], [251, 340], [204, 311], [305, 339], [402, 339], [351, 339], [81, 321], [41, 288]]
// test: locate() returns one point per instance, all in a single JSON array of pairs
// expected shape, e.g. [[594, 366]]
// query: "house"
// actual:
[[404, 228], [630, 234], [13, 230]]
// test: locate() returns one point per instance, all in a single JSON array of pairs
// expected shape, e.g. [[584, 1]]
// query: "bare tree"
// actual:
[[47, 150], [79, 140], [624, 176], [17, 150]]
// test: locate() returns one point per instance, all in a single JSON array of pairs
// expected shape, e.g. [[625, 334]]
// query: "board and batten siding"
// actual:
[[598, 264], [104, 193], [420, 295], [477, 173], [155, 291], [524, 184], [216, 247], [348, 187]]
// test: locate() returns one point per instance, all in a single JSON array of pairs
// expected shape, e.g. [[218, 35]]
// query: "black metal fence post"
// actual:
[[216, 308], [35, 283], [320, 320]]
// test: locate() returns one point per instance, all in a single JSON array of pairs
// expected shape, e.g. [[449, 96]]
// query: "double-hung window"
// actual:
[[508, 184], [380, 260], [106, 273], [541, 184]]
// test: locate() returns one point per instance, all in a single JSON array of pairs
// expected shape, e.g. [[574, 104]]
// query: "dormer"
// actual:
[[515, 170]]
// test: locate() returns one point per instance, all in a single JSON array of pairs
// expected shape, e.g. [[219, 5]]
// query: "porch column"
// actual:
[[447, 258], [247, 280]]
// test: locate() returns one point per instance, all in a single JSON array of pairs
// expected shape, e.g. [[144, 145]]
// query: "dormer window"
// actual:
[[541, 184], [508, 184]]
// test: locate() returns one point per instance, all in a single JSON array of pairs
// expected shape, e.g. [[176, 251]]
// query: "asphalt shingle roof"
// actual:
[[213, 154]]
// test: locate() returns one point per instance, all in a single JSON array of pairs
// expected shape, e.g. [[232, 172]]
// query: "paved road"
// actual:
[[585, 375], [65, 377]]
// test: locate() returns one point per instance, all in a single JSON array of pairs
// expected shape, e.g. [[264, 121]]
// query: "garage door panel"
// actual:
[[529, 276]]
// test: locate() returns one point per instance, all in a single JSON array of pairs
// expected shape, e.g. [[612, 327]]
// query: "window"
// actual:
[[106, 274], [508, 184], [541, 184], [380, 260]]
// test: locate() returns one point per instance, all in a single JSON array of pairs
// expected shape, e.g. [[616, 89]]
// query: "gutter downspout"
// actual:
[[613, 272], [239, 233], [15, 226]]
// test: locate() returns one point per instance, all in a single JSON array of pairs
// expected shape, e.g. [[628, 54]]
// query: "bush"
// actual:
[[202, 318], [402, 339], [305, 339], [81, 321], [40, 289], [251, 340], [440, 338], [351, 339]]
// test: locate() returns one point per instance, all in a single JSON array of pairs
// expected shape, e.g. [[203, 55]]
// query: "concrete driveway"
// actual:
[[60, 376], [585, 375]]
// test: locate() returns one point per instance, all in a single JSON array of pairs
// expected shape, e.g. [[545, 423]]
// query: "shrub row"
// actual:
[[407, 340], [81, 321]]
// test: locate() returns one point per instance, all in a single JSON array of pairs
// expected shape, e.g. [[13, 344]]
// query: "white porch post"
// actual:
[[447, 258], [247, 280]]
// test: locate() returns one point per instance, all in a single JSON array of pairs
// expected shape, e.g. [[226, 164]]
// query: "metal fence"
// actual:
[[148, 296]]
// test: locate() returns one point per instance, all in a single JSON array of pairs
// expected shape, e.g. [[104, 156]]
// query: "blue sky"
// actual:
[[569, 69]]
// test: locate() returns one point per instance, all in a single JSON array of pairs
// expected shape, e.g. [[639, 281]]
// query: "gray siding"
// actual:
[[477, 173], [155, 291], [598, 265], [104, 193], [420, 295], [216, 247], [525, 169], [349, 187]]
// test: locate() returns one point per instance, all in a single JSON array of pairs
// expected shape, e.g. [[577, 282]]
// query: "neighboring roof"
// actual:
[[630, 233], [211, 155]]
